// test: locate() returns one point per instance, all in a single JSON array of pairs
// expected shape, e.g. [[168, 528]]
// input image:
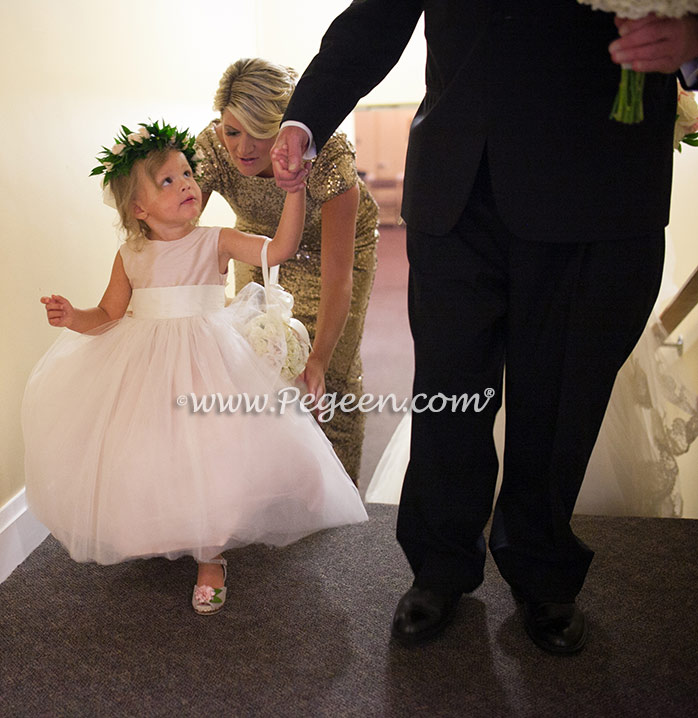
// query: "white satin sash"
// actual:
[[173, 302]]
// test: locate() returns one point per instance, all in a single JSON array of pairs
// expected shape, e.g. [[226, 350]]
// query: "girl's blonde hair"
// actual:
[[125, 188], [257, 92]]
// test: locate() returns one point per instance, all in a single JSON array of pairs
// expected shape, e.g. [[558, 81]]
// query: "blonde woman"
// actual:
[[331, 275]]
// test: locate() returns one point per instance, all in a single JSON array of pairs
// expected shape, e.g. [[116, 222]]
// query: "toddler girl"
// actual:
[[121, 460]]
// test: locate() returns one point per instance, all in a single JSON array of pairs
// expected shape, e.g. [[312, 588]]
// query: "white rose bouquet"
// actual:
[[627, 107], [686, 127]]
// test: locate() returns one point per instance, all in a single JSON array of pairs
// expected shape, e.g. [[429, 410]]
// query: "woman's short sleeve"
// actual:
[[334, 169], [210, 169]]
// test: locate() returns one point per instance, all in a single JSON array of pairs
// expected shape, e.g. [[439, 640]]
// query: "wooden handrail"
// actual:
[[681, 305]]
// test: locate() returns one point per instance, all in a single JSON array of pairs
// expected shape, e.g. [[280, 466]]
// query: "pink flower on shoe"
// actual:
[[204, 594]]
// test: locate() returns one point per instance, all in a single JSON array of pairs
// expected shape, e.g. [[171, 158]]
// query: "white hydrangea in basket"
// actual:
[[275, 335]]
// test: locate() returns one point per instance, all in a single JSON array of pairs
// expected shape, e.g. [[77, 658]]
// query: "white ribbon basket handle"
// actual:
[[269, 274], [273, 294]]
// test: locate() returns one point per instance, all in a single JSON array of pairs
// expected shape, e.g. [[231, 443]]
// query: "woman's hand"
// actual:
[[59, 311], [655, 44], [314, 377]]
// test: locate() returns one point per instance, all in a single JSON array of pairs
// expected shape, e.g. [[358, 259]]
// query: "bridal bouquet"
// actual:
[[627, 107], [686, 127]]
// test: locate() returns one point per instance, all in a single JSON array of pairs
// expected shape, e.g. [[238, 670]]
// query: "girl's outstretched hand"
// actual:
[[300, 182], [287, 158], [59, 311]]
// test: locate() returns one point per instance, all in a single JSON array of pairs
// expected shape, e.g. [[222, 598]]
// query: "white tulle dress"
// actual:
[[120, 464]]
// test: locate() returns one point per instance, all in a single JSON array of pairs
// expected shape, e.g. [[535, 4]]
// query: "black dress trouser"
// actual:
[[562, 316]]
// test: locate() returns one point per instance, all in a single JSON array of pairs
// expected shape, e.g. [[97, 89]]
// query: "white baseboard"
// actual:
[[20, 533]]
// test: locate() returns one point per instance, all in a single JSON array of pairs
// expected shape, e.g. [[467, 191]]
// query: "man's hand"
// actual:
[[287, 158], [655, 44]]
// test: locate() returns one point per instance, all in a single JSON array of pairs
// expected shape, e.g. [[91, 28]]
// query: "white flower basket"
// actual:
[[275, 335]]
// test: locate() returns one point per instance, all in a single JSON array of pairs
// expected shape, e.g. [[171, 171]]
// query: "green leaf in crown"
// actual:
[[135, 145]]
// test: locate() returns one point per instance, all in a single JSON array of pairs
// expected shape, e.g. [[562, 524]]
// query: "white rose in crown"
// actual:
[[118, 149], [198, 157], [144, 133], [135, 137]]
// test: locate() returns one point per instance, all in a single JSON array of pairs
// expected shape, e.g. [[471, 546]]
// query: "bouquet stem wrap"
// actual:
[[628, 107]]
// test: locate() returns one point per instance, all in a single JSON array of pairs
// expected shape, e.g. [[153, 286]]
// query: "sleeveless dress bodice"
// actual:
[[178, 278]]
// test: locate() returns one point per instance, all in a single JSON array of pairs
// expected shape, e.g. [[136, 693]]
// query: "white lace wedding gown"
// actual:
[[119, 466]]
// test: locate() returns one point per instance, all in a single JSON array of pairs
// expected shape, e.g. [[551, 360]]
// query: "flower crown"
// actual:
[[132, 146]]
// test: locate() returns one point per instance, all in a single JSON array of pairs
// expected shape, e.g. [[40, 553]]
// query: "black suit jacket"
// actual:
[[529, 82]]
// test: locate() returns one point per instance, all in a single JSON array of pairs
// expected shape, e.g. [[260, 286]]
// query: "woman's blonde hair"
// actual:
[[125, 188], [257, 92]]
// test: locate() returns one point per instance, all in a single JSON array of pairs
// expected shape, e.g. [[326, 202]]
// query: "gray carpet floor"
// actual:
[[305, 632]]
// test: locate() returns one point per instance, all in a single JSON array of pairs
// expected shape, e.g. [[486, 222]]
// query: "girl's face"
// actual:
[[250, 154], [171, 198]]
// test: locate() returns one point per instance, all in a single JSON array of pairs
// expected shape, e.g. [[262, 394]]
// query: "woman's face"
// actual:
[[250, 154]]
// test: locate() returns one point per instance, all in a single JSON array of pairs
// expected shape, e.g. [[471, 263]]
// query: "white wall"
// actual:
[[404, 84]]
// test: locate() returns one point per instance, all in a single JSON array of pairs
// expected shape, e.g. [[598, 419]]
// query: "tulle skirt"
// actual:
[[123, 460]]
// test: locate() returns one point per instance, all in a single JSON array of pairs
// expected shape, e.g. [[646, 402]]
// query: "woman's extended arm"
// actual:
[[336, 267]]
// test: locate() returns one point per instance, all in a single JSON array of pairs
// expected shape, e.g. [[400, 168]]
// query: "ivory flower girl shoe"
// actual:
[[206, 599]]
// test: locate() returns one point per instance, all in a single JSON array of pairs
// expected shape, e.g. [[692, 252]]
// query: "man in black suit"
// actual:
[[535, 235]]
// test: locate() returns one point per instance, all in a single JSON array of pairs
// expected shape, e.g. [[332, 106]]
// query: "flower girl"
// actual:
[[119, 462]]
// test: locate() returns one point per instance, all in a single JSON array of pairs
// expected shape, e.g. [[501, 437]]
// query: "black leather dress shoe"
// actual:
[[559, 628], [422, 614]]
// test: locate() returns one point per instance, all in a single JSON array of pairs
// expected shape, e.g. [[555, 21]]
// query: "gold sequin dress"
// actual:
[[257, 203]]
